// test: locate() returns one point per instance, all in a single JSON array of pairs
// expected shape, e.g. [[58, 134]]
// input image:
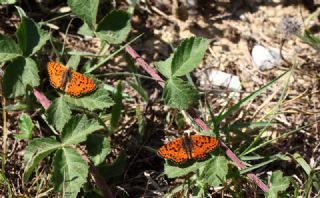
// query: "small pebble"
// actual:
[[265, 58]]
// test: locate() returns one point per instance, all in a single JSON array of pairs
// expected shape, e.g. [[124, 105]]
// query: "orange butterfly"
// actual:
[[68, 80], [188, 147]]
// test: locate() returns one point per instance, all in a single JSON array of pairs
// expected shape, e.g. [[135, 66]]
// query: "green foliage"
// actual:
[[8, 49], [30, 37], [25, 125], [36, 151], [116, 109], [59, 113], [215, 171], [179, 94], [97, 100], [114, 27], [115, 169], [77, 129], [70, 172], [86, 10], [98, 148], [188, 55], [278, 184], [311, 39], [20, 73]]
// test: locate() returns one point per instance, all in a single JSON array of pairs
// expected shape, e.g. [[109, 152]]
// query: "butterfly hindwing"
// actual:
[[174, 151], [79, 84], [202, 145]]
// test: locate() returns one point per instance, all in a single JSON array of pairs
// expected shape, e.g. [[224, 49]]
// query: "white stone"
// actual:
[[222, 79], [265, 58]]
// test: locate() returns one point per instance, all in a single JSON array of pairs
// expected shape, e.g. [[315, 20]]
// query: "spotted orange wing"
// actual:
[[201, 145], [174, 151], [56, 72], [79, 84]]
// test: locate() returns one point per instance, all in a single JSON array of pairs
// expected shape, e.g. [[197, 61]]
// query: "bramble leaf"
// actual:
[[78, 128], [25, 125], [188, 55], [36, 151], [30, 37], [179, 94], [98, 148], [59, 113], [20, 73], [85, 10], [99, 99], [278, 184], [114, 27], [216, 171], [164, 67], [70, 172], [8, 49]]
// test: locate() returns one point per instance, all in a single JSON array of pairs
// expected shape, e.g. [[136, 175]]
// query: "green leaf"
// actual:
[[278, 184], [7, 2], [164, 67], [99, 99], [59, 113], [85, 30], [36, 151], [114, 27], [77, 129], [116, 109], [85, 10], [306, 167], [70, 172], [115, 169], [310, 39], [216, 171], [25, 125], [73, 62], [30, 37], [179, 94], [188, 55], [8, 49], [20, 73], [137, 86], [178, 171], [98, 148]]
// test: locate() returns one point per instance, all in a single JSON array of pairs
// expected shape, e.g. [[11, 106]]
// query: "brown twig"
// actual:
[[198, 120], [102, 185]]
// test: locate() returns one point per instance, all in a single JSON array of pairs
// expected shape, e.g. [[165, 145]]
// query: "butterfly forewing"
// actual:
[[72, 82], [174, 151], [56, 72], [202, 145], [79, 84]]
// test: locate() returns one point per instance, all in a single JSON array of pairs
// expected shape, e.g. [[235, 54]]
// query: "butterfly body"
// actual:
[[188, 147], [68, 80]]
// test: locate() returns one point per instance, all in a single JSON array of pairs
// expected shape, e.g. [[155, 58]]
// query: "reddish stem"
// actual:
[[42, 99], [198, 120]]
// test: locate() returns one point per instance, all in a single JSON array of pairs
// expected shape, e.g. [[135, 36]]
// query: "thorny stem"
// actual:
[[198, 120]]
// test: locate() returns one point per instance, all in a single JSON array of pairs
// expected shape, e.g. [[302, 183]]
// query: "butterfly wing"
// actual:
[[202, 145], [79, 84], [174, 151], [56, 72]]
